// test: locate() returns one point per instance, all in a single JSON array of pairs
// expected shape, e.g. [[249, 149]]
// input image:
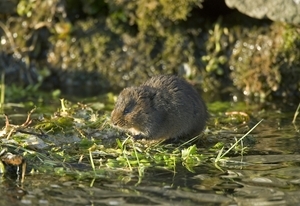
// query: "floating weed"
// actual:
[[81, 144], [37, 161], [221, 154], [138, 158], [57, 124], [190, 157]]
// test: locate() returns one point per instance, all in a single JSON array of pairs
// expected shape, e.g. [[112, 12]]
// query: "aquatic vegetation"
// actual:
[[78, 141], [221, 154]]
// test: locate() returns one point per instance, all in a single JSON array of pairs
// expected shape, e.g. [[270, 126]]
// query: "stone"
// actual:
[[276, 10]]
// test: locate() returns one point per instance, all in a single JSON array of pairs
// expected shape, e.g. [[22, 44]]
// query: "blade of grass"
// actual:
[[124, 153], [92, 161], [221, 156], [296, 114], [141, 168], [187, 142], [2, 98]]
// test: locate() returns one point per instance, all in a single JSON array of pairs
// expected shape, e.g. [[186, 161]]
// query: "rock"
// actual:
[[277, 10]]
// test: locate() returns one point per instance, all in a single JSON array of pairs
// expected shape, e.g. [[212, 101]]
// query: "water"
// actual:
[[267, 173]]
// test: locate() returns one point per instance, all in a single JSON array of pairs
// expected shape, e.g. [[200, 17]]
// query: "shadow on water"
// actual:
[[267, 174]]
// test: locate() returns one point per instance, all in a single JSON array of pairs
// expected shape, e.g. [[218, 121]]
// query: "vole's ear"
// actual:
[[147, 93], [152, 93]]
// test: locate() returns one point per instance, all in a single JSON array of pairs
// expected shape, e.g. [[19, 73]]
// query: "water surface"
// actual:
[[267, 173]]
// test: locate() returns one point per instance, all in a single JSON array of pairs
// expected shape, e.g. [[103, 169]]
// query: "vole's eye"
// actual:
[[128, 108], [126, 111]]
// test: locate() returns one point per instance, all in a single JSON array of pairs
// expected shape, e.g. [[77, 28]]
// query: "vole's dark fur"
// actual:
[[164, 107]]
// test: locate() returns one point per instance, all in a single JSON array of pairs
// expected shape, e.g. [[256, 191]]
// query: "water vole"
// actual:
[[164, 107]]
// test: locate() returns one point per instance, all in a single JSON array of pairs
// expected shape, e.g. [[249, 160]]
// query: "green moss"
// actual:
[[265, 60], [109, 45], [151, 16]]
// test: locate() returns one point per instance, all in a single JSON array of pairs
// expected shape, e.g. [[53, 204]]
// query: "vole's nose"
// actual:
[[113, 121]]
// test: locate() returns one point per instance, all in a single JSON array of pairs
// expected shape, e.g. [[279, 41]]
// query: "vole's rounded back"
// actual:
[[163, 107]]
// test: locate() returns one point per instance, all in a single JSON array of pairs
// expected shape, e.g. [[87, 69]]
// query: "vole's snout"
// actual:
[[113, 119], [114, 122]]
